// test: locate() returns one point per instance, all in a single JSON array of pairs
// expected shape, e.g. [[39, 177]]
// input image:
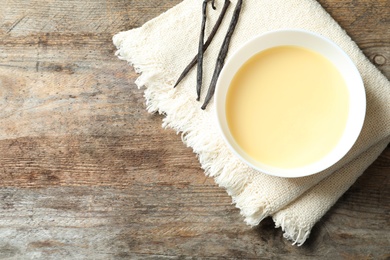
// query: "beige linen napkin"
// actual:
[[160, 50]]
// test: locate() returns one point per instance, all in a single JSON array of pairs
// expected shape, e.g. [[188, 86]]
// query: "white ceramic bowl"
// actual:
[[319, 44]]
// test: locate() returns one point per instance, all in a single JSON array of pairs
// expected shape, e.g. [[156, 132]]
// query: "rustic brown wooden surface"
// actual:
[[87, 173]]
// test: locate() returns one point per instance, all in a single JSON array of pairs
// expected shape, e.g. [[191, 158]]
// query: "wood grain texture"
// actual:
[[87, 173]]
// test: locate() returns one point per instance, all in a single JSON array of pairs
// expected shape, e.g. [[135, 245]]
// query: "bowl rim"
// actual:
[[356, 116]]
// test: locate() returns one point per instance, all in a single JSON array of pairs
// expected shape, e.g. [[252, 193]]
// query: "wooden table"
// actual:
[[87, 173]]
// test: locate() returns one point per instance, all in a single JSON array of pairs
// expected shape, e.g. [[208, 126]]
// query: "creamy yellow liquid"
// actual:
[[287, 107]]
